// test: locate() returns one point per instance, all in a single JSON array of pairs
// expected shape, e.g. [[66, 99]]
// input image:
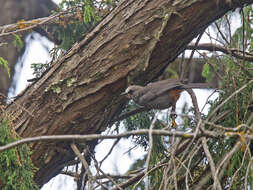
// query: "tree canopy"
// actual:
[[105, 46]]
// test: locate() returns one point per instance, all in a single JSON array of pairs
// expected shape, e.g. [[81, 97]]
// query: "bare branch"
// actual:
[[212, 166], [226, 50], [95, 136], [13, 28]]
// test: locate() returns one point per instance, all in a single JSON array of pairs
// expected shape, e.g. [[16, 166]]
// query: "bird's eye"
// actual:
[[130, 92]]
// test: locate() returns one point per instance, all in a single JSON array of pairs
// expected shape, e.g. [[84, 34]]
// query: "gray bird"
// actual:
[[160, 95]]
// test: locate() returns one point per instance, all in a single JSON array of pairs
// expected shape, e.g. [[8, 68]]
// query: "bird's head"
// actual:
[[131, 91]]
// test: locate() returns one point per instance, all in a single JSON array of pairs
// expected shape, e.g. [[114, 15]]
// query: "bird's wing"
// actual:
[[146, 98], [156, 89], [167, 82], [197, 85], [163, 86]]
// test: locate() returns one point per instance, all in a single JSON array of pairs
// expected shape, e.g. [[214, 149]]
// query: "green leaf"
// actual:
[[5, 64], [18, 43], [207, 72]]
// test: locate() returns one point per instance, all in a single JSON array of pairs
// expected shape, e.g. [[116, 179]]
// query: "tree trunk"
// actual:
[[80, 94]]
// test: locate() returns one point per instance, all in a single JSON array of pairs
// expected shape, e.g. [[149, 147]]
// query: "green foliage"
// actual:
[[138, 121], [71, 33], [88, 13], [16, 168], [236, 73], [143, 120], [39, 68], [248, 30], [138, 164], [239, 113], [17, 42], [5, 64], [209, 69], [206, 72]]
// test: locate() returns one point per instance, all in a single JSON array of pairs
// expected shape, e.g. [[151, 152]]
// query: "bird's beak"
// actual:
[[123, 94]]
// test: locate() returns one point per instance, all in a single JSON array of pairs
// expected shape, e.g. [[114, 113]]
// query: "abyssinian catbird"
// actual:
[[160, 95]]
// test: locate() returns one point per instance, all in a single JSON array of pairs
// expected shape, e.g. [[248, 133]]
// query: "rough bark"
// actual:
[[80, 94], [11, 12]]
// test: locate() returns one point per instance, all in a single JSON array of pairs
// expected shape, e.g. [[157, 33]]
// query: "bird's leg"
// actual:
[[173, 116]]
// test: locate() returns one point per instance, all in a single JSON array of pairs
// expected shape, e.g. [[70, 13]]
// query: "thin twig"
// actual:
[[229, 30], [207, 100], [109, 177], [247, 174], [237, 171], [228, 157], [211, 163], [174, 174], [83, 161], [243, 37], [184, 65], [189, 164], [227, 99], [150, 146], [222, 35], [110, 151], [203, 139]]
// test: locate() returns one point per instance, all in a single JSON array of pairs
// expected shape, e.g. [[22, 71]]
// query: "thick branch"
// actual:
[[226, 50]]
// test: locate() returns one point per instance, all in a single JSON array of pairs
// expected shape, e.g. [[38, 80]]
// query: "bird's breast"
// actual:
[[175, 94]]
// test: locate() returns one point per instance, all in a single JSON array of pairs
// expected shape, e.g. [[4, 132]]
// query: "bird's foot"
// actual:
[[173, 116], [173, 123]]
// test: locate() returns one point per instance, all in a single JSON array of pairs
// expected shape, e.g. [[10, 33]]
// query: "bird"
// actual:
[[160, 95]]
